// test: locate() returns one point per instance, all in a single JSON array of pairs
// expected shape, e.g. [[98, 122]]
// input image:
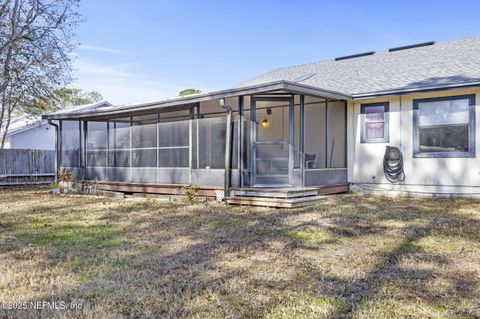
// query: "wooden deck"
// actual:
[[165, 189], [275, 202], [267, 197], [283, 197]]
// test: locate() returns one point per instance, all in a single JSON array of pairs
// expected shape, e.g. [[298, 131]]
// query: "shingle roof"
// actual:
[[441, 64]]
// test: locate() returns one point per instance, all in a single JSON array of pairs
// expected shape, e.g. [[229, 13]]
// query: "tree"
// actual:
[[36, 39], [62, 98], [189, 92]]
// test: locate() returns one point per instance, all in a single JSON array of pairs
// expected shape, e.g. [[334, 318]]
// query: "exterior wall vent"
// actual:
[[406, 47], [354, 56]]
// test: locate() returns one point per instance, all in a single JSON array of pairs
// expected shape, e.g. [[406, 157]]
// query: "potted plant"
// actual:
[[64, 180]]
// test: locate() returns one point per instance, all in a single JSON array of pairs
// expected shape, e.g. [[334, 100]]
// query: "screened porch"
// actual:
[[279, 138]]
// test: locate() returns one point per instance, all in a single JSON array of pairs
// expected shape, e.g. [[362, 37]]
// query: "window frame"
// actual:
[[471, 128], [386, 123]]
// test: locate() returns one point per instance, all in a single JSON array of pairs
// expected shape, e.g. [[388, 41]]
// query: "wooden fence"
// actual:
[[22, 167]]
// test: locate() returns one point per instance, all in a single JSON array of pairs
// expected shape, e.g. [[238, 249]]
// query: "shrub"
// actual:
[[191, 192]]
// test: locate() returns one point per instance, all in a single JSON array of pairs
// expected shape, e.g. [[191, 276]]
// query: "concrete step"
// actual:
[[274, 202], [275, 192]]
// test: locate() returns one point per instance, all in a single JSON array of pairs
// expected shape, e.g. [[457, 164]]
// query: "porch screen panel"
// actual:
[[296, 131], [144, 131], [144, 148], [273, 126], [336, 137], [247, 147], [119, 134], [210, 137], [315, 131], [97, 144], [272, 165], [173, 143], [119, 154], [144, 158], [119, 143], [234, 141], [70, 148]]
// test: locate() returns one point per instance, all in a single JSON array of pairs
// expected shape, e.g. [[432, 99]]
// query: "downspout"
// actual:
[[56, 149], [228, 149]]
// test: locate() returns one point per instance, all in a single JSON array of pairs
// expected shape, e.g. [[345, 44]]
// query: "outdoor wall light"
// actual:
[[265, 123], [269, 111]]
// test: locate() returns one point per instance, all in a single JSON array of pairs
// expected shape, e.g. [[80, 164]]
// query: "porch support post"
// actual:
[[302, 137], [130, 174], [157, 152], [326, 133], [240, 157], [60, 149], [59, 154], [190, 143], [84, 149], [105, 169], [291, 138], [80, 158], [346, 134], [57, 147], [197, 135], [228, 154], [253, 138]]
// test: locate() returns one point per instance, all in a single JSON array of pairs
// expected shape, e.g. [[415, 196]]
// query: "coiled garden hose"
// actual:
[[393, 165]]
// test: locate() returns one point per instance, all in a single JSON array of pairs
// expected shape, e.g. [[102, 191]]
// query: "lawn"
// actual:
[[350, 256]]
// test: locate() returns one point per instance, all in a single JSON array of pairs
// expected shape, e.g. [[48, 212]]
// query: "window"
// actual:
[[374, 121], [444, 127]]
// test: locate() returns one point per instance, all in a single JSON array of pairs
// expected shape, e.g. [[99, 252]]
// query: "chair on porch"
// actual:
[[310, 160]]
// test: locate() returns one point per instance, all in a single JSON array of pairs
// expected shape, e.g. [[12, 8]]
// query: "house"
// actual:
[[31, 132], [323, 125]]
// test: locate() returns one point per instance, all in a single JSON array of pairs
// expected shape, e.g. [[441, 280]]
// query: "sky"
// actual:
[[146, 50]]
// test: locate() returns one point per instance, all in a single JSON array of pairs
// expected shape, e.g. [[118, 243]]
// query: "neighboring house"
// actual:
[[323, 124], [31, 132]]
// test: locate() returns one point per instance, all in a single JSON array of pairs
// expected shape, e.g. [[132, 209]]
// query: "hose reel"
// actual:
[[393, 165]]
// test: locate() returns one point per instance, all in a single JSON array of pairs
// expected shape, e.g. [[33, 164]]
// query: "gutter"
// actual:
[[57, 153], [228, 149], [411, 91]]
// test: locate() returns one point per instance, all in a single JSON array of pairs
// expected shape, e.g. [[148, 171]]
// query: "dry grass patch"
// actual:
[[350, 256]]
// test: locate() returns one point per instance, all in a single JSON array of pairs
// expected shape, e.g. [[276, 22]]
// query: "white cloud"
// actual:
[[121, 84], [99, 49]]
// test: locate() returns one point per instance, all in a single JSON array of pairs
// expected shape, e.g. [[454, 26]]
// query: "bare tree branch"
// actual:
[[36, 39]]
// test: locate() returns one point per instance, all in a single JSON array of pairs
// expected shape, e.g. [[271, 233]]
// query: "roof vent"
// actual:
[[354, 56], [424, 44], [304, 77]]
